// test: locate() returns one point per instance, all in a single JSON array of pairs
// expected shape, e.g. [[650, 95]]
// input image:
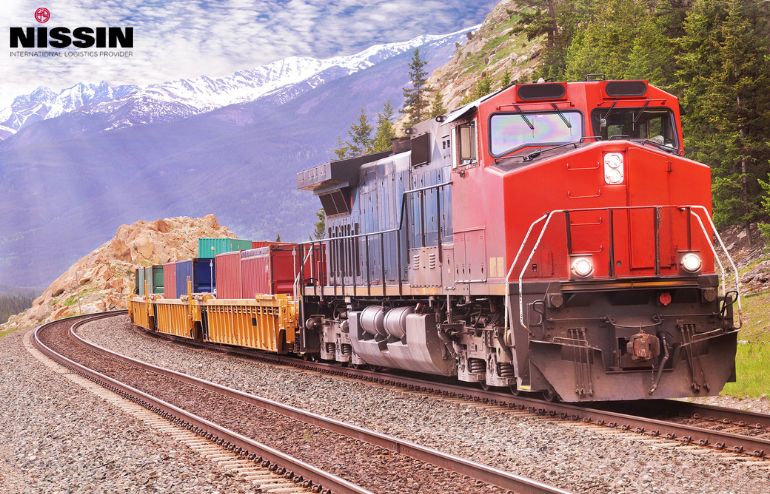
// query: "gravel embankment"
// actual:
[[371, 467], [757, 405], [59, 437], [577, 458]]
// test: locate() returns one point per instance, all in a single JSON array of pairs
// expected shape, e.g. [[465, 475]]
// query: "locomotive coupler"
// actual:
[[663, 362], [643, 346]]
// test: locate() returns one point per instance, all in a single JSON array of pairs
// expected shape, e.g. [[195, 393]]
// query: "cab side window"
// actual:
[[465, 144]]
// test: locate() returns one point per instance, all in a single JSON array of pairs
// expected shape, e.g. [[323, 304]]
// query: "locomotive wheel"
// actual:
[[551, 395], [515, 391], [484, 385], [310, 357]]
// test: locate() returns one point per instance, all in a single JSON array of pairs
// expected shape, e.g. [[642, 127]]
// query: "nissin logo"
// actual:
[[64, 37]]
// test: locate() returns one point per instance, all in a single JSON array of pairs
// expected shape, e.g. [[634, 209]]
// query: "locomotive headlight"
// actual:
[[582, 267], [613, 168], [691, 262]]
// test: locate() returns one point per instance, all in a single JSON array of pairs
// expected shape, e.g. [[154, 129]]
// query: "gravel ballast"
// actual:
[[568, 455], [371, 467], [60, 437]]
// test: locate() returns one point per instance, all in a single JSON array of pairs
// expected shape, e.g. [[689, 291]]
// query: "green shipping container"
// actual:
[[210, 247], [154, 276]]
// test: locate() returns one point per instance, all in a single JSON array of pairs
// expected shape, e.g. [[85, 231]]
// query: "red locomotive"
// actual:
[[549, 237]]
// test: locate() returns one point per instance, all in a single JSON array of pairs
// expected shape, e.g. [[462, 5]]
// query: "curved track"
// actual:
[[340, 458], [724, 429]]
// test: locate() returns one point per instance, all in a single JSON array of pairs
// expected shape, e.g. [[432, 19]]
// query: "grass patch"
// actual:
[[752, 365], [73, 299], [752, 361], [756, 318]]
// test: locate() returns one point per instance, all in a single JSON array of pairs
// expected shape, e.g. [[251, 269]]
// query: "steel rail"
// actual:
[[223, 436], [478, 471], [688, 434]]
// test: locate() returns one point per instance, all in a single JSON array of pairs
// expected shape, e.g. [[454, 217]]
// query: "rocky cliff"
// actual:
[[102, 279], [492, 51]]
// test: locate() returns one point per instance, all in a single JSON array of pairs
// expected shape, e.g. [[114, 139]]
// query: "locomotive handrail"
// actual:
[[547, 217], [381, 234], [510, 271]]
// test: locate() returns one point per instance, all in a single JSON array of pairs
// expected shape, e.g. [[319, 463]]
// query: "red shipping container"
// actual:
[[169, 280], [228, 275], [270, 269], [267, 270], [256, 244]]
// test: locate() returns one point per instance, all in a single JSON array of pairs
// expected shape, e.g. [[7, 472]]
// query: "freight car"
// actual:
[[549, 238]]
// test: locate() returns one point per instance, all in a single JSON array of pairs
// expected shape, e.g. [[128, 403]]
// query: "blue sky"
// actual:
[[175, 39]]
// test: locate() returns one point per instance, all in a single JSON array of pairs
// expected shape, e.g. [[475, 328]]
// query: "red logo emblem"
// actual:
[[42, 15]]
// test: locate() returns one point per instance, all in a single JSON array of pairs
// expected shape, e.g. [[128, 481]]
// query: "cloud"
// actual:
[[180, 38]]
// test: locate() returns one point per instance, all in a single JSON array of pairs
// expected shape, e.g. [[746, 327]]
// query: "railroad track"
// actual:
[[723, 429], [310, 450]]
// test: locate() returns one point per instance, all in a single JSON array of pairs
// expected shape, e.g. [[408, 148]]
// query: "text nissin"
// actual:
[[81, 37]]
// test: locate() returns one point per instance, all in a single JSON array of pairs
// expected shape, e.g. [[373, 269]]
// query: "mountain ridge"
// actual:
[[66, 183], [182, 98]]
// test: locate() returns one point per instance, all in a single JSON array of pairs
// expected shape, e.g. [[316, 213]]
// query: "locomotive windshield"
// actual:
[[510, 131], [654, 124]]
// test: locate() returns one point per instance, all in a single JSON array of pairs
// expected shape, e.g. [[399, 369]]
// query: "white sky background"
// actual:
[[176, 39]]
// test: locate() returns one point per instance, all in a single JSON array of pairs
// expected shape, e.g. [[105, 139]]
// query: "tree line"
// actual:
[[420, 103], [13, 304], [713, 54]]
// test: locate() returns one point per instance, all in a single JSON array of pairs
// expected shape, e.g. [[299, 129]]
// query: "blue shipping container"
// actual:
[[200, 271]]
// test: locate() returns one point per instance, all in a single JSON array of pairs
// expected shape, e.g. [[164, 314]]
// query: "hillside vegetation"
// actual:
[[713, 54]]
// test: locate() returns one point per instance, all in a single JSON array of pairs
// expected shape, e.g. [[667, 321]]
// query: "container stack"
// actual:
[[232, 269]]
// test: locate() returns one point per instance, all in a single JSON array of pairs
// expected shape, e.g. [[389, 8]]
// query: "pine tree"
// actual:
[[341, 151], [724, 79], [416, 95], [506, 80], [437, 106], [483, 86], [319, 229], [385, 130], [359, 140], [360, 135], [556, 21], [604, 43]]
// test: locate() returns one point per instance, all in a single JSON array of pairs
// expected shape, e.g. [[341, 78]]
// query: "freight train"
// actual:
[[548, 238]]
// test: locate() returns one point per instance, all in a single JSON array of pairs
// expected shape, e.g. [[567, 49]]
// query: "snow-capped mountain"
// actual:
[[129, 105], [66, 183]]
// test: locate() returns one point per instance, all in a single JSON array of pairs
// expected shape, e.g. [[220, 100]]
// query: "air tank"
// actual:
[[373, 320], [395, 321]]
